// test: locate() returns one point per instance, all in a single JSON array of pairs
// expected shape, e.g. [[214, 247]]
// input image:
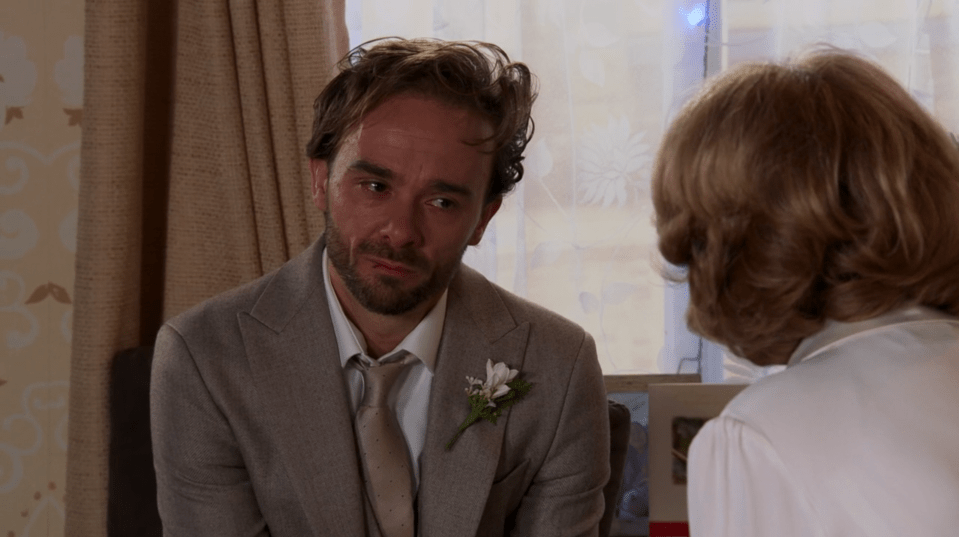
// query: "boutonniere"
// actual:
[[489, 399]]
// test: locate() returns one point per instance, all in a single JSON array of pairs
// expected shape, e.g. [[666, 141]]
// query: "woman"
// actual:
[[815, 208]]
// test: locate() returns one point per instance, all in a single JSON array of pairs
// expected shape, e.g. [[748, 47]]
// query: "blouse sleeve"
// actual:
[[739, 487]]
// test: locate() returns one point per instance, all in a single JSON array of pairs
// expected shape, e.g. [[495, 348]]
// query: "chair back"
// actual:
[[132, 494], [619, 427]]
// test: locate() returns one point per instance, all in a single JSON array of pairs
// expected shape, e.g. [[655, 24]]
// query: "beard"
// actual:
[[385, 294]]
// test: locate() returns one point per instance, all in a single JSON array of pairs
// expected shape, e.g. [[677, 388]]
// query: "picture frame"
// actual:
[[676, 413], [631, 518]]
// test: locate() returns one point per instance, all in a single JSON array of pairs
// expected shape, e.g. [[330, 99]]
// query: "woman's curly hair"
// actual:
[[477, 76], [798, 193]]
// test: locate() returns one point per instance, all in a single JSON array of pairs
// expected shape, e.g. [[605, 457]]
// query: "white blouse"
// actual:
[[858, 436]]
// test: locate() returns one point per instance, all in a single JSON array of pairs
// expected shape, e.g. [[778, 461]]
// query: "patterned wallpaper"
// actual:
[[41, 97]]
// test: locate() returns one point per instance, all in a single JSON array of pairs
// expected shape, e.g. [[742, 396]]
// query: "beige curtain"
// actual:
[[193, 179]]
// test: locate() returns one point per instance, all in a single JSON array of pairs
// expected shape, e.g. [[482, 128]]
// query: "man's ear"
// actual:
[[488, 211], [319, 182]]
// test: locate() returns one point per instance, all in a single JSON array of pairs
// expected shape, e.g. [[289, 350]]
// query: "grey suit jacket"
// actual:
[[252, 430]]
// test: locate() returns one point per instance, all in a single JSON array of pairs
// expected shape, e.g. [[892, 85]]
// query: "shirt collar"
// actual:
[[835, 333], [423, 341]]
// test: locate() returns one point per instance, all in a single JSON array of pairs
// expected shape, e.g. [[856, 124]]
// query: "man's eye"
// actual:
[[442, 203], [375, 186]]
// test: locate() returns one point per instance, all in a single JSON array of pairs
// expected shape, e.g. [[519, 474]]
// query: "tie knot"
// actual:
[[379, 379]]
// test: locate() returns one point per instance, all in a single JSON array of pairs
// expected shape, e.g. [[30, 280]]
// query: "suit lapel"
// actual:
[[297, 375], [454, 484]]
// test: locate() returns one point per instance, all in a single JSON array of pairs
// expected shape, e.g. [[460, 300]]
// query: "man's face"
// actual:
[[405, 197]]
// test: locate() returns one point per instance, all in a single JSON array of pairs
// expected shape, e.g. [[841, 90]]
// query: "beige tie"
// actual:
[[386, 459]]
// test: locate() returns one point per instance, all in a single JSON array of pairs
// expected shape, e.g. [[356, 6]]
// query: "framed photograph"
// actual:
[[632, 510], [676, 413]]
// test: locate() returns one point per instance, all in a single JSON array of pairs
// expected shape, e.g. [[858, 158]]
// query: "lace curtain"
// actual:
[[576, 235], [917, 42]]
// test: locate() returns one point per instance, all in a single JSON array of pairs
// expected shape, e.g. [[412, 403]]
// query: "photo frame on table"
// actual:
[[631, 518], [676, 413]]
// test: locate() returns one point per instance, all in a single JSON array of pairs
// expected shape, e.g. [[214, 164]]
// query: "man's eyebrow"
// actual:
[[370, 168], [451, 188]]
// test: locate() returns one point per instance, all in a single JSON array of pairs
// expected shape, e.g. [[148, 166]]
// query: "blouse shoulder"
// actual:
[[738, 485]]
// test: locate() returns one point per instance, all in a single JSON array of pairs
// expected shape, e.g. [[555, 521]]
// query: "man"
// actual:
[[259, 410]]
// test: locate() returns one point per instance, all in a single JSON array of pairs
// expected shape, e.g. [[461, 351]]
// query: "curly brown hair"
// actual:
[[477, 76], [798, 193]]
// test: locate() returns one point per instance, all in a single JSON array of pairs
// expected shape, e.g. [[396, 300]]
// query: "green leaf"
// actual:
[[479, 406]]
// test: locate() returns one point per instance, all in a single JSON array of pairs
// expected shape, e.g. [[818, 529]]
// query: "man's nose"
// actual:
[[401, 226]]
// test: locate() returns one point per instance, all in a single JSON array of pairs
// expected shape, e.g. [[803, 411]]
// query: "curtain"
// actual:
[[576, 236], [193, 179], [916, 42]]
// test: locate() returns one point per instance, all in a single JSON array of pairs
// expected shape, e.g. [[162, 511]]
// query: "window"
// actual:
[[576, 235]]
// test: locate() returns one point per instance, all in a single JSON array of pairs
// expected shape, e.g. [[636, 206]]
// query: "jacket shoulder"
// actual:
[[543, 321], [220, 310], [272, 298]]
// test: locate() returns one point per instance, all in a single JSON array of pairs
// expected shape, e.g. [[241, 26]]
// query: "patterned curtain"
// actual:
[[576, 235], [916, 42]]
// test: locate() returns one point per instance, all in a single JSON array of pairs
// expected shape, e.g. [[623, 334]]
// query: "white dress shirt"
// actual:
[[859, 436], [410, 398]]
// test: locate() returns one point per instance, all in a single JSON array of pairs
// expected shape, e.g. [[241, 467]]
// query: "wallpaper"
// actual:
[[41, 96]]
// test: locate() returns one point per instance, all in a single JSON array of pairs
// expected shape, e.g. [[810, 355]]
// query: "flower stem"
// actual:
[[470, 420]]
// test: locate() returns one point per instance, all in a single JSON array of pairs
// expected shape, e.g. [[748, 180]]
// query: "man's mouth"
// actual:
[[394, 261], [393, 268]]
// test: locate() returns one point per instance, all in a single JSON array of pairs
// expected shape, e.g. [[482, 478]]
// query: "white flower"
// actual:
[[612, 159], [18, 75], [497, 375]]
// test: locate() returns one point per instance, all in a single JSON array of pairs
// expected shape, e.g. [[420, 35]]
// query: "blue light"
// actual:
[[697, 15]]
